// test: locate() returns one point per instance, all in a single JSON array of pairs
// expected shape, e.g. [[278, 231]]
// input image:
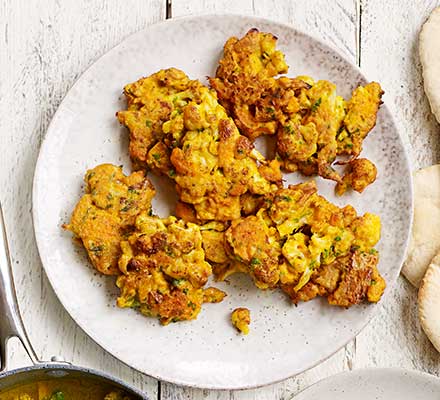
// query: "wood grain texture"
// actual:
[[45, 46], [390, 29], [395, 338], [334, 23]]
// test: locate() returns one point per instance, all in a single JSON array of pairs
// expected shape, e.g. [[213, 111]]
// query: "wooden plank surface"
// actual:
[[45, 46], [394, 338]]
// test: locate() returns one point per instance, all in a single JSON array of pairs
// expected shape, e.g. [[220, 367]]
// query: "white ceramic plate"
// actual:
[[284, 340], [377, 384]]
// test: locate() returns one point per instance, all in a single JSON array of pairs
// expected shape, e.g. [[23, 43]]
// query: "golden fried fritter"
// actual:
[[347, 281], [330, 127], [247, 70], [151, 103], [189, 131], [164, 269], [361, 173], [241, 318], [213, 180], [254, 244], [360, 118], [107, 211], [316, 232], [246, 86], [307, 245], [213, 295], [308, 141], [312, 123], [213, 243]]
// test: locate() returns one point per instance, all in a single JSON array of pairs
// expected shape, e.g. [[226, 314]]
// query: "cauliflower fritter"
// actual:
[[246, 86], [347, 281], [329, 249], [360, 118], [307, 140], [250, 241], [213, 295], [316, 232], [106, 212], [241, 319], [361, 173], [164, 269], [178, 128], [244, 75], [312, 123], [213, 242], [310, 247]]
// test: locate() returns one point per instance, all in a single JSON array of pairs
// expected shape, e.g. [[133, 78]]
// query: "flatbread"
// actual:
[[425, 235], [429, 302], [429, 51]]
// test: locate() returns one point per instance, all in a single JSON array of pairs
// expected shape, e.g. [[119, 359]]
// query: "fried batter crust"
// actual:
[[178, 128], [306, 245], [164, 269], [107, 212], [312, 123]]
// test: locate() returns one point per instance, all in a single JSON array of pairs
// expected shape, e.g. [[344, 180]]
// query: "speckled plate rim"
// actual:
[[162, 375], [398, 372]]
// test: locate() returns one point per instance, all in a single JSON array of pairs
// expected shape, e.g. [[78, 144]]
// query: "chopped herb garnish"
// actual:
[[270, 110], [354, 248], [337, 239], [288, 129], [148, 123], [286, 198], [192, 305], [316, 105], [255, 261], [126, 208], [97, 249], [373, 282], [135, 303], [185, 290], [373, 251], [349, 145], [156, 156], [172, 173], [169, 251], [109, 196], [177, 282]]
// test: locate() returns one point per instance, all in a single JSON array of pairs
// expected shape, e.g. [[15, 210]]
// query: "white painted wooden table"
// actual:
[[46, 44]]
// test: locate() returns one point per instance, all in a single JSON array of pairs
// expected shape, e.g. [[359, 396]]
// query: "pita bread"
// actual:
[[429, 302], [429, 51], [425, 235]]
